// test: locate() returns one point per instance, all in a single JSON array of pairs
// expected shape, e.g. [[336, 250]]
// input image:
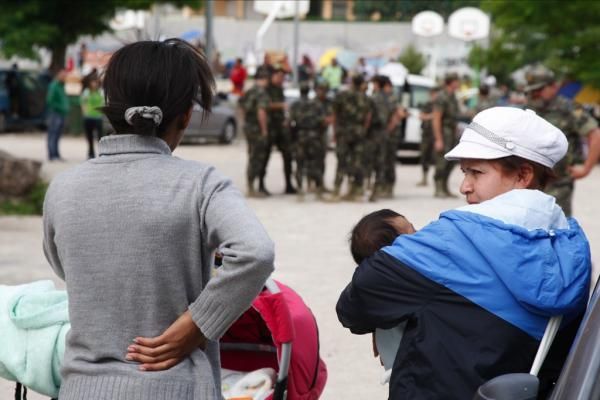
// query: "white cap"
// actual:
[[507, 131]]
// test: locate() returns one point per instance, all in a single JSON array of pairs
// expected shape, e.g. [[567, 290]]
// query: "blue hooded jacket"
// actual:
[[476, 288], [533, 274]]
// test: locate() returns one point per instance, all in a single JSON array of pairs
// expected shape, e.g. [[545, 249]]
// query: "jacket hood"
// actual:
[[535, 265], [530, 209]]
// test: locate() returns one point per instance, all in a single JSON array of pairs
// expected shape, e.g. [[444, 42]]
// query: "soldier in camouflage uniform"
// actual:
[[384, 123], [352, 116], [255, 103], [576, 124], [279, 135], [326, 104], [445, 114], [484, 101], [307, 119], [373, 143], [395, 115], [426, 147]]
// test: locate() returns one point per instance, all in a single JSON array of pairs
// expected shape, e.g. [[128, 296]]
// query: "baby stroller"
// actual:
[[278, 331]]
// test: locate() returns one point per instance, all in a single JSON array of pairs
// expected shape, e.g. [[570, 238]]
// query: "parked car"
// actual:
[[219, 125], [30, 110], [413, 92]]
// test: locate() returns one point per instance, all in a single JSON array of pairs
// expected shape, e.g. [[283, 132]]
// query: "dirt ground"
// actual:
[[312, 254]]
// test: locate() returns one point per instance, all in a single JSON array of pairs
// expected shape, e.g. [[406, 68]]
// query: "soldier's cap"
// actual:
[[500, 132], [537, 77]]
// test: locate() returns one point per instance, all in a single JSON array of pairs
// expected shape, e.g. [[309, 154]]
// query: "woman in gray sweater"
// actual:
[[132, 233]]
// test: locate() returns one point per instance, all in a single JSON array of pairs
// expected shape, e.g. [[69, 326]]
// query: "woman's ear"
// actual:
[[525, 176]]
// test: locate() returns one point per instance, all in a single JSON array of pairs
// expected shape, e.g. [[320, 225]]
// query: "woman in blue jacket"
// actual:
[[478, 286]]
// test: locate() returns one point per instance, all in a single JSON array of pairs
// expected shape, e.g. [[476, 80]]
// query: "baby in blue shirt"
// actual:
[[374, 231]]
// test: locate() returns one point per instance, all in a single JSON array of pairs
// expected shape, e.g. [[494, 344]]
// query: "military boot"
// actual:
[[335, 194], [375, 194], [355, 193], [253, 193], [388, 192], [262, 189], [289, 189], [440, 193], [319, 190], [448, 192]]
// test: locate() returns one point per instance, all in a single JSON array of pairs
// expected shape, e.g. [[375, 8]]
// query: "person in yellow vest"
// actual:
[[92, 101]]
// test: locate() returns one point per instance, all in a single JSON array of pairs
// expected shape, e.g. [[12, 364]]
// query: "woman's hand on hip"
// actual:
[[170, 348]]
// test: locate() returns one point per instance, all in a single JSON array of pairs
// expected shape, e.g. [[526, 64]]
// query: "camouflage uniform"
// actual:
[[392, 140], [307, 119], [576, 124], [279, 135], [374, 139], [327, 109], [427, 140], [351, 109], [447, 104], [253, 100], [484, 103], [384, 106]]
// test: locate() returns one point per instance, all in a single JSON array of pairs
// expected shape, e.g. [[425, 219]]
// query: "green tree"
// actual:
[[412, 60], [28, 25], [564, 35]]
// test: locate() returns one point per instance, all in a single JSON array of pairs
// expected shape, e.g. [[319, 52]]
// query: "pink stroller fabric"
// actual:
[[275, 319]]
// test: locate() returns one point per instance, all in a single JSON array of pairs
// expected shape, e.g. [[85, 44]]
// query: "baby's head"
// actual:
[[376, 230]]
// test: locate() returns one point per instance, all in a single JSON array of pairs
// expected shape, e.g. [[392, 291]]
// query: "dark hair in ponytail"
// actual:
[[171, 75]]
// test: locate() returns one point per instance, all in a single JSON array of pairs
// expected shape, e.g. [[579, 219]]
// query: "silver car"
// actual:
[[219, 125]]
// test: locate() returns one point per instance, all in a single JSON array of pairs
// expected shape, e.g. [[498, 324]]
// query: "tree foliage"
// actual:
[[564, 35], [413, 60], [27, 25], [404, 10]]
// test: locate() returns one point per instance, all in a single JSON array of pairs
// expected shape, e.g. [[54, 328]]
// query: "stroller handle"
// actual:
[[286, 353]]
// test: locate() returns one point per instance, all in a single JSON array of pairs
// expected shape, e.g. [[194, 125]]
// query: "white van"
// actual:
[[413, 92]]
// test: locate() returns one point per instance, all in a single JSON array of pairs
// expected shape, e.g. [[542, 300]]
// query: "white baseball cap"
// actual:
[[507, 131]]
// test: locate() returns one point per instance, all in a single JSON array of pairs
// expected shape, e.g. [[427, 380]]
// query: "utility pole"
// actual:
[[296, 42], [208, 9]]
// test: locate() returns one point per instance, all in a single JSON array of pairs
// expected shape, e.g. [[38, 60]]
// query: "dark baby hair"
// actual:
[[373, 232], [171, 75]]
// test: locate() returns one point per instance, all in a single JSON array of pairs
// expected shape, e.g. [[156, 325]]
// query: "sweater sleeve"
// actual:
[[248, 255], [50, 250], [383, 292]]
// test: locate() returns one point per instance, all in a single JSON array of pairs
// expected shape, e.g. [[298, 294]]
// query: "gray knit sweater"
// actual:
[[132, 233]]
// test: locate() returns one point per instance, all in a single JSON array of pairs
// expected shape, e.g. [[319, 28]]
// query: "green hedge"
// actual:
[[32, 204]]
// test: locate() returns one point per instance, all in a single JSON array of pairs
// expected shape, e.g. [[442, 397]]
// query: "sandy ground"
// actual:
[[312, 253]]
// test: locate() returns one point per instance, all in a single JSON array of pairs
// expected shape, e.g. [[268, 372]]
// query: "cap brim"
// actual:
[[475, 151]]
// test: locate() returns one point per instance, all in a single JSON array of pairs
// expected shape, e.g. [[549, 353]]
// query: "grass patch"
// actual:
[[32, 204]]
